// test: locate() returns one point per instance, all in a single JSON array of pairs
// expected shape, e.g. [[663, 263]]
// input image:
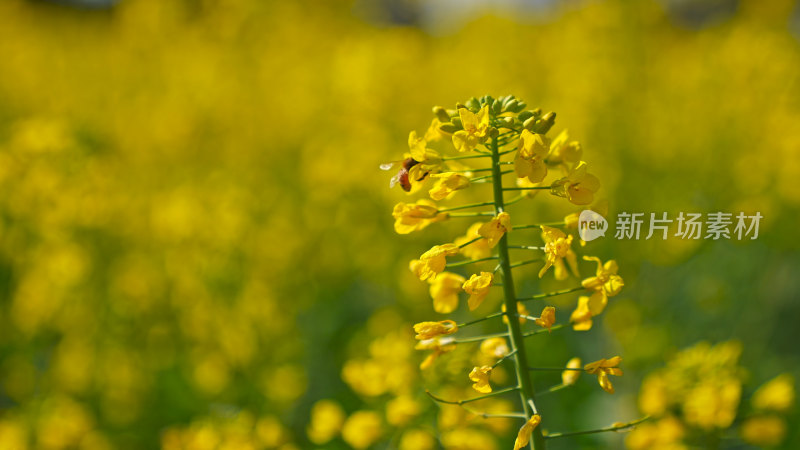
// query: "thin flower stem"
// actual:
[[470, 214], [523, 263], [544, 330], [599, 430], [470, 261], [551, 294], [537, 225], [555, 388], [479, 338], [507, 355], [471, 205], [489, 177], [525, 188], [490, 316], [526, 247], [516, 338], [470, 241], [557, 369], [474, 399], [506, 163], [495, 416]]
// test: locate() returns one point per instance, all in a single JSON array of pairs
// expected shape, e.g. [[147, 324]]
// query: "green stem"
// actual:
[[478, 338], [551, 294], [469, 261], [474, 399], [471, 205], [490, 316], [470, 214], [526, 188], [544, 330], [599, 430], [526, 391], [450, 158], [537, 225]]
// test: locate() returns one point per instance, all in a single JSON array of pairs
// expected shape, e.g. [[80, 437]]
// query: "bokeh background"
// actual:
[[196, 243]]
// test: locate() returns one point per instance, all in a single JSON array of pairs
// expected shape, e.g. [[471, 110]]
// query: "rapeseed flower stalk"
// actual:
[[503, 133]]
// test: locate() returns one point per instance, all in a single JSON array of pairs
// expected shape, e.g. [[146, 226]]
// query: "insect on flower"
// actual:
[[402, 175]]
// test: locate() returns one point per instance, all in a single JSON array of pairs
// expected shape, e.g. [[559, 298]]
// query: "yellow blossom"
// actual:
[[775, 395], [475, 129], [581, 318], [478, 288], [415, 216], [531, 152], [430, 330], [526, 183], [713, 402], [557, 248], [444, 291], [420, 152], [327, 418], [446, 184], [480, 378], [522, 311], [495, 347], [570, 377], [362, 429], [476, 250], [524, 435], [439, 346], [578, 186], [433, 261], [417, 439], [606, 279], [600, 207], [563, 151], [603, 368], [547, 318], [496, 228], [763, 431], [401, 409], [654, 397], [664, 434]]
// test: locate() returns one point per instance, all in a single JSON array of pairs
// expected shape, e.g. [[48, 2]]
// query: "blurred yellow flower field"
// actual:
[[198, 249]]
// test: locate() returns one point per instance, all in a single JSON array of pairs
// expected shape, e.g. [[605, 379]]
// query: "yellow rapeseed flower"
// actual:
[[521, 311], [495, 347], [439, 346], [476, 250], [495, 228], [763, 431], [563, 151], [524, 434], [444, 291], [475, 129], [415, 216], [605, 283], [430, 330], [480, 378], [581, 318], [478, 288], [362, 429], [531, 152], [327, 418], [570, 377], [578, 186], [433, 261], [547, 318], [775, 395], [446, 184], [603, 368], [558, 246]]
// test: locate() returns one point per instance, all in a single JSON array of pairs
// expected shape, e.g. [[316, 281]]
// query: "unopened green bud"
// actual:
[[525, 115], [518, 107], [448, 127], [441, 114], [493, 132], [507, 122], [537, 112], [529, 123], [473, 104], [510, 106], [457, 122], [544, 124], [497, 107], [460, 105], [489, 100]]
